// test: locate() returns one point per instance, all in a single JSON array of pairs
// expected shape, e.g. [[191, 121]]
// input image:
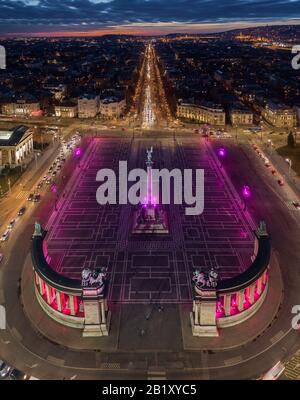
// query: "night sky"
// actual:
[[141, 16]]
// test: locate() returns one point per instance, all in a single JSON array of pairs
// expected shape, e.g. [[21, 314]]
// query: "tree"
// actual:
[[291, 140]]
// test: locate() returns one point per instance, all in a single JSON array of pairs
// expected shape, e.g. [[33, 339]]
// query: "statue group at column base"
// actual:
[[150, 219]]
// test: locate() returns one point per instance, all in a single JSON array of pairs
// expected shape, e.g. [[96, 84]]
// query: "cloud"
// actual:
[[57, 15]]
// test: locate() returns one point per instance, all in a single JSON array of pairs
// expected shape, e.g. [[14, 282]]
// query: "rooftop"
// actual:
[[12, 137]]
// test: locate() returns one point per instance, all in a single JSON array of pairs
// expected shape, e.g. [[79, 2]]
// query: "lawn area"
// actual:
[[13, 175], [293, 153]]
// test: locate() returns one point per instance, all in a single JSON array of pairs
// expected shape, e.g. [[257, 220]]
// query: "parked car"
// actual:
[[5, 236], [21, 211], [36, 198], [30, 197], [4, 369], [11, 224], [280, 182], [274, 172], [16, 375], [296, 205]]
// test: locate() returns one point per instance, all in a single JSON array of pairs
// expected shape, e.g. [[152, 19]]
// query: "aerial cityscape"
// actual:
[[149, 191]]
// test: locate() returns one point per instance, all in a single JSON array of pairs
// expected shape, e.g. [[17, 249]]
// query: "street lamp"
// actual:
[[289, 161], [246, 194], [261, 124], [221, 154], [271, 145]]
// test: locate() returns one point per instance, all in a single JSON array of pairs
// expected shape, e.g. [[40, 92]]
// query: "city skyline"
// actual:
[[154, 17]]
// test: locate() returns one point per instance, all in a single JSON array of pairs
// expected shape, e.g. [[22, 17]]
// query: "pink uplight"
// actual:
[[78, 152], [246, 192], [222, 152]]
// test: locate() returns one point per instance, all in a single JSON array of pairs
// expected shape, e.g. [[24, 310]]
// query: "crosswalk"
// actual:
[[292, 367], [156, 375], [22, 195]]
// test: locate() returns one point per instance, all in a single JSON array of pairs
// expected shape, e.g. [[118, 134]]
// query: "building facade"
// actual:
[[66, 110], [16, 147], [240, 116], [279, 115], [111, 108], [88, 106], [209, 114], [26, 108]]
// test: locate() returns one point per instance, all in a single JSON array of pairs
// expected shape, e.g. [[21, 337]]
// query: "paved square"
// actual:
[[147, 269]]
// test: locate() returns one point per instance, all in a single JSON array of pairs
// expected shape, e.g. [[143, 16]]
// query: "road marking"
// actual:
[[234, 360], [55, 360], [33, 366], [292, 367], [17, 334], [277, 337], [22, 195], [110, 366], [157, 376]]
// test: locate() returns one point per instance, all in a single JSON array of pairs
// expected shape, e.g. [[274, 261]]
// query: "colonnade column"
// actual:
[[72, 308], [240, 300], [58, 301], [259, 286], [227, 304], [251, 291]]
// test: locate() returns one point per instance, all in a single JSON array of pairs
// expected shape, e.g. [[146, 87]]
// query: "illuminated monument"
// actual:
[[150, 218]]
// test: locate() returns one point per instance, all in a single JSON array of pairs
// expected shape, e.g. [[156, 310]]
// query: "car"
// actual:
[[16, 375], [1, 258], [54, 173], [21, 211], [50, 169], [40, 185], [280, 182], [11, 224], [267, 165], [5, 236], [45, 178], [30, 197], [274, 172], [36, 198], [4, 369], [296, 205]]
